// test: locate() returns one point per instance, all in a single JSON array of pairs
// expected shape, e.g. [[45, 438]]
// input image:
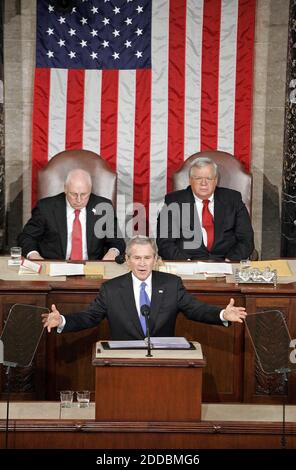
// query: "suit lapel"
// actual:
[[195, 224], [158, 291], [219, 214], [90, 223], [127, 299], [193, 211], [60, 215]]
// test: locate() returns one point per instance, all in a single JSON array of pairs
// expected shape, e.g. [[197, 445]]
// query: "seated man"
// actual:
[[75, 224], [203, 221], [120, 300]]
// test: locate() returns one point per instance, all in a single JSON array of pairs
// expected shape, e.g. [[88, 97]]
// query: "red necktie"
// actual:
[[208, 223], [76, 252]]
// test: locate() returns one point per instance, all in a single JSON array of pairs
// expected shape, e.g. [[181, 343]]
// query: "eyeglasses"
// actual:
[[79, 196], [201, 179]]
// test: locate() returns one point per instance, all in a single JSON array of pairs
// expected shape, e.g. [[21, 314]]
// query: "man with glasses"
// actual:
[[203, 221], [76, 225]]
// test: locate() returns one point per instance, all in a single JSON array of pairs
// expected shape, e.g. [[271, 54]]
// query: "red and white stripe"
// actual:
[[197, 96]]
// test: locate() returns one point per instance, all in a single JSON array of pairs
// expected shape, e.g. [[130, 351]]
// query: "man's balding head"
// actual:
[[78, 188]]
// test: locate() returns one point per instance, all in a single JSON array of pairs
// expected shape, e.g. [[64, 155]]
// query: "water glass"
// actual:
[[66, 398], [15, 255], [83, 398]]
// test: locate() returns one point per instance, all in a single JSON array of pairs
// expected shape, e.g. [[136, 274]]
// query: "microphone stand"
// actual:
[[8, 370], [148, 337], [145, 311], [7, 407], [284, 372]]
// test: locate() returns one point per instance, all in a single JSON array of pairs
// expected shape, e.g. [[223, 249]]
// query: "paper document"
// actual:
[[23, 270], [180, 268], [30, 266], [174, 342], [191, 268], [218, 268], [156, 343], [66, 269], [280, 265]]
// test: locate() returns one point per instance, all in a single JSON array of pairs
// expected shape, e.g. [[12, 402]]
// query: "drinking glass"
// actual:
[[66, 398], [83, 398], [15, 255]]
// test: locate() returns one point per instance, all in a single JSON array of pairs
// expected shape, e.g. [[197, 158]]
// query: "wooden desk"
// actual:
[[232, 373], [42, 426]]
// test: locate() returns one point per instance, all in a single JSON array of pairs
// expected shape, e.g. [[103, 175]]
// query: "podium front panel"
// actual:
[[166, 387]]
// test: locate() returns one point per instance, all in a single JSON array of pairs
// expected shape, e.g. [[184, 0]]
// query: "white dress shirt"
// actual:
[[137, 288]]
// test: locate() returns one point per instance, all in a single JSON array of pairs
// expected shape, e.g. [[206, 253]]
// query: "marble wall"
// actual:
[[289, 166], [271, 38], [268, 117], [2, 138], [19, 59]]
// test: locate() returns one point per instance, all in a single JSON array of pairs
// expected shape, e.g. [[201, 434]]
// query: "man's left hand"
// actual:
[[110, 255], [234, 314]]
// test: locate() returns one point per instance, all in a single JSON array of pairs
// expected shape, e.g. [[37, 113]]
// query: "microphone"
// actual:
[[119, 259], [145, 311]]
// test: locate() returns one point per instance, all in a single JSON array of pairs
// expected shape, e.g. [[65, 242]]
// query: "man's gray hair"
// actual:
[[140, 240], [200, 162], [80, 173]]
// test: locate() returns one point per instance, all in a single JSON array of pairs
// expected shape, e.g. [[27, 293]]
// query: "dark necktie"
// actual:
[[144, 300], [76, 253], [208, 223]]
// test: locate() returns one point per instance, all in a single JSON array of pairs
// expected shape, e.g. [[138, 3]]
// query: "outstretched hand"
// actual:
[[110, 255], [234, 314], [52, 319]]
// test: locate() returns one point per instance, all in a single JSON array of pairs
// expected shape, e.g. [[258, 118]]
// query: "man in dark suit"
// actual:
[[203, 221], [119, 301], [49, 232]]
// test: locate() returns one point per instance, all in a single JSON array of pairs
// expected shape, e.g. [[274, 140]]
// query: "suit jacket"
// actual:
[[46, 231], [115, 301], [233, 233]]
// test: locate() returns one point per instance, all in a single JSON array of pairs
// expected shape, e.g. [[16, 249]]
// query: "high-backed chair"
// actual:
[[51, 179], [231, 174]]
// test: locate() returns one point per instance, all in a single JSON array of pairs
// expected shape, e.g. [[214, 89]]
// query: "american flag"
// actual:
[[145, 84]]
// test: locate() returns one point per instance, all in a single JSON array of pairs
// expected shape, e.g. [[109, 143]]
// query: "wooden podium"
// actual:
[[132, 387]]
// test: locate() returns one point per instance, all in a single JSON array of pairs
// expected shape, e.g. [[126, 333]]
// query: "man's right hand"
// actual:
[[34, 255], [52, 319]]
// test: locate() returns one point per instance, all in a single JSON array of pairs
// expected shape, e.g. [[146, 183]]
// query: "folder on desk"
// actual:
[[280, 265], [66, 269], [94, 269], [156, 343]]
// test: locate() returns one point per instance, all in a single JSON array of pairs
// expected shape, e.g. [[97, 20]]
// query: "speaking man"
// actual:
[[120, 300]]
